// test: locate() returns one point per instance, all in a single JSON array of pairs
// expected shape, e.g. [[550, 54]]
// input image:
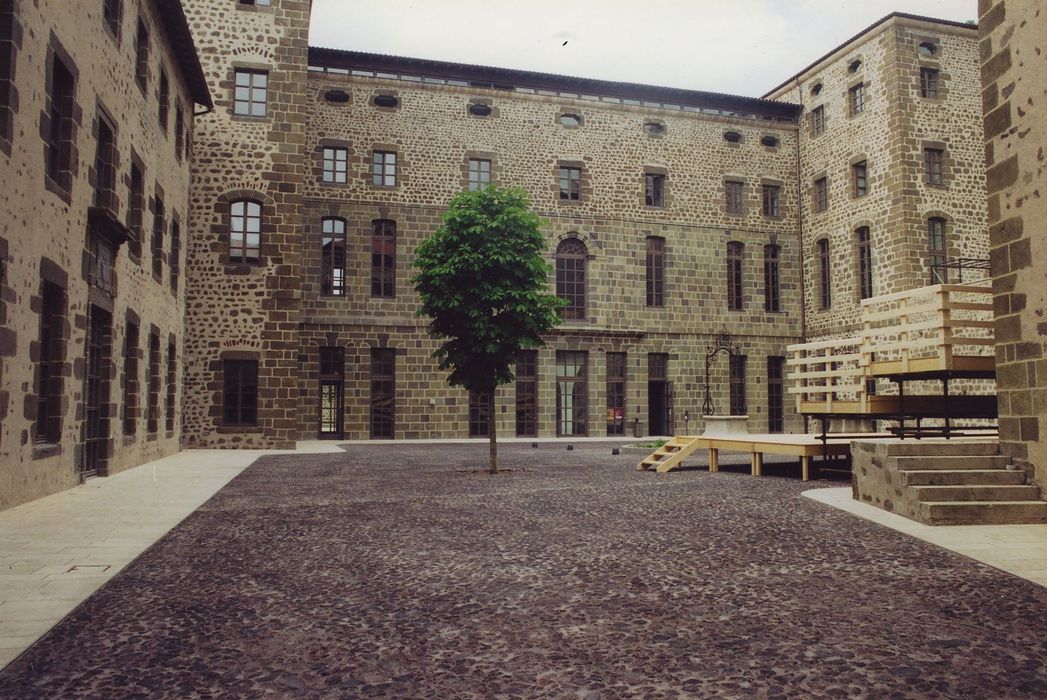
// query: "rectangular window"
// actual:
[[616, 368], [865, 279], [251, 89], [153, 418], [131, 379], [772, 200], [932, 166], [240, 392], [142, 56], [336, 165], [735, 298], [136, 212], [826, 273], [737, 370], [733, 193], [383, 169], [49, 381], [174, 263], [772, 294], [775, 394], [818, 120], [383, 258], [332, 391], [332, 258], [821, 194], [856, 99], [245, 231], [654, 190], [179, 131], [383, 392], [157, 243], [859, 179], [172, 388], [572, 393], [112, 13], [7, 52], [60, 97], [105, 165], [527, 393], [571, 184], [938, 251], [164, 102], [655, 271], [929, 81], [479, 415], [479, 174]]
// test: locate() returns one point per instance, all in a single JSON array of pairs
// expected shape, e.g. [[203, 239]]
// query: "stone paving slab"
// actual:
[[367, 574]]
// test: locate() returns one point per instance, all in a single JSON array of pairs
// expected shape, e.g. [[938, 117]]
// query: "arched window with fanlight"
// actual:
[[245, 231], [332, 257], [571, 257]]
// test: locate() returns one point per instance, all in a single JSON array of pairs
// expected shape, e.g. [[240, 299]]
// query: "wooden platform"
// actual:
[[803, 446], [891, 406]]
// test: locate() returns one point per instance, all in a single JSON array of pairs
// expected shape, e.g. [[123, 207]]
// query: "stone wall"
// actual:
[[44, 233], [1013, 38], [433, 135], [889, 134], [247, 310]]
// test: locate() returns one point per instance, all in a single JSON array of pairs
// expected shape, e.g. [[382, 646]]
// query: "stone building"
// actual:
[[287, 311], [97, 103], [1013, 36]]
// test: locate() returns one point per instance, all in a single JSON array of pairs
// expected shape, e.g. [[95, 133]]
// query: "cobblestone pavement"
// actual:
[[403, 572]]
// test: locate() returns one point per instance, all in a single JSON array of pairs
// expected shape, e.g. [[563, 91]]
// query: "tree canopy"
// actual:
[[482, 282]]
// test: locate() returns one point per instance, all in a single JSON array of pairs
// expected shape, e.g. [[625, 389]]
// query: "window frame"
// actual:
[[818, 120], [571, 268], [246, 107], [937, 249], [616, 380], [772, 291], [856, 99], [570, 183], [479, 173], [930, 82], [383, 259], [863, 244], [772, 200], [934, 166], [654, 190], [48, 381], [240, 383], [735, 276], [860, 178], [384, 168], [142, 51], [655, 271], [334, 167], [825, 273], [240, 253], [333, 258], [821, 194], [383, 394], [575, 416], [526, 398], [734, 197]]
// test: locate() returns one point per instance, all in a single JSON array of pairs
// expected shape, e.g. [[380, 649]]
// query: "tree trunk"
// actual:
[[492, 431]]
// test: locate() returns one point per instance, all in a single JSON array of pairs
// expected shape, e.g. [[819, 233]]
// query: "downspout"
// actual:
[[799, 221]]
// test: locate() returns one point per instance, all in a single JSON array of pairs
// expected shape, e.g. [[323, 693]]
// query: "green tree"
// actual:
[[482, 278]]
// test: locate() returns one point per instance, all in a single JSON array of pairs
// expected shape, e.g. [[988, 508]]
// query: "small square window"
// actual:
[[571, 184], [336, 165], [249, 98], [383, 169]]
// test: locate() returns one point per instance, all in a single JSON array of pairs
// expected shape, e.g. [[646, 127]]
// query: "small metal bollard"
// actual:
[[534, 445], [615, 451], [570, 447]]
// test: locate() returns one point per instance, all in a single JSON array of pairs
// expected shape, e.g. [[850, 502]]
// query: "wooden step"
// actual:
[[963, 477], [953, 462], [1024, 492], [983, 512]]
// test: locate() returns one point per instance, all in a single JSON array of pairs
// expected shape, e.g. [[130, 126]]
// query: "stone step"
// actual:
[[975, 493], [942, 447], [983, 512], [953, 462], [963, 477]]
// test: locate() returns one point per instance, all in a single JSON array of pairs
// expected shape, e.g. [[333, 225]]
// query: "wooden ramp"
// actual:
[[671, 455]]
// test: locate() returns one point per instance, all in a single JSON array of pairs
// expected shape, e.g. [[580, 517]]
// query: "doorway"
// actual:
[[96, 392], [659, 394], [332, 392]]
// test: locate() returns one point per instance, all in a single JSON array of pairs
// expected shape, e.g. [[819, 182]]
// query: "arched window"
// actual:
[[826, 273], [772, 290], [245, 231], [936, 246], [655, 271], [734, 276], [571, 257], [383, 258], [332, 257], [865, 270]]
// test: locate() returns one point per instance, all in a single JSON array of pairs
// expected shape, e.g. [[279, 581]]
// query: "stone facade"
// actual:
[[66, 272], [1013, 36]]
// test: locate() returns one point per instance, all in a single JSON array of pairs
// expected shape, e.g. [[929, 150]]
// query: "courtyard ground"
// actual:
[[407, 572]]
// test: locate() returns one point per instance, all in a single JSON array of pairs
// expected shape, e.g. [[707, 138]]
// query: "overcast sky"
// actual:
[[743, 47]]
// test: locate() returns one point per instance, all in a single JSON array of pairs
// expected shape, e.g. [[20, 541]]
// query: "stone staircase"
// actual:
[[945, 482]]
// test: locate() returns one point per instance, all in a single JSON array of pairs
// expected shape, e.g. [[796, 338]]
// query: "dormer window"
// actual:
[[928, 49], [479, 110], [654, 128], [570, 120], [816, 89], [769, 141], [387, 101], [732, 136], [855, 66]]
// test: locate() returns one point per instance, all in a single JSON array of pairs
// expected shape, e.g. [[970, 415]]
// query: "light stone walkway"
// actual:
[[1017, 549], [58, 550]]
